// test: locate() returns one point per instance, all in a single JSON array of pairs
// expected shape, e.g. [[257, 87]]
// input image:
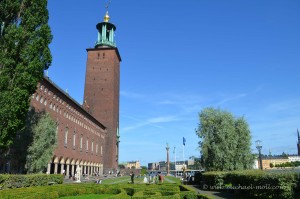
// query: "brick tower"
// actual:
[[102, 88]]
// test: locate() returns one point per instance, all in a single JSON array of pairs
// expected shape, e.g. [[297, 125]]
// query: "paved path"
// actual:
[[212, 194]]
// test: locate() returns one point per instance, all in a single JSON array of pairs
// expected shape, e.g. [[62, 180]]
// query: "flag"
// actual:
[[184, 141]]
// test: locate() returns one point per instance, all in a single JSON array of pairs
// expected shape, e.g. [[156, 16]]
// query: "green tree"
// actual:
[[243, 158], [24, 55], [22, 141], [144, 170], [225, 141], [43, 144]]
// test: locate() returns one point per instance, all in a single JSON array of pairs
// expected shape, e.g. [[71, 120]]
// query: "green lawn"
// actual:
[[127, 180]]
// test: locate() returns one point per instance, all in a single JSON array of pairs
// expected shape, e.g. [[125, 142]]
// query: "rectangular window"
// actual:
[[96, 148], [66, 136], [87, 145], [74, 140], [92, 146], [81, 140]]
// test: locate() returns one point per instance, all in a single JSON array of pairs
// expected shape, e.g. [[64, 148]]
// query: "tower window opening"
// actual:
[[107, 35]]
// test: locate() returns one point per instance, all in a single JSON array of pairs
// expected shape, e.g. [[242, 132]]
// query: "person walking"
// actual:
[[132, 177]]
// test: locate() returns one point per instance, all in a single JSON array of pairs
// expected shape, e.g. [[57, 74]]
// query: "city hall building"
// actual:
[[88, 134]]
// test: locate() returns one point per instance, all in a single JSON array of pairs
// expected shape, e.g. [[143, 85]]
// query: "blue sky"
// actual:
[[179, 57]]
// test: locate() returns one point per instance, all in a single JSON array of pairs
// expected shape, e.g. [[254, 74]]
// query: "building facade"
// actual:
[[133, 164], [88, 134], [80, 137]]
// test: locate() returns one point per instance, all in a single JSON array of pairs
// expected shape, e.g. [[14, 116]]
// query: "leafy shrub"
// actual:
[[19, 181], [253, 183], [164, 191], [213, 180]]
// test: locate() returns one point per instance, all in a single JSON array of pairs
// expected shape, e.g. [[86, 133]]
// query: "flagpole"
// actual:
[[175, 160], [175, 157], [183, 154], [183, 145]]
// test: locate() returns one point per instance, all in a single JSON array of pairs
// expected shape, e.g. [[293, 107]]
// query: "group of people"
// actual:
[[154, 178]]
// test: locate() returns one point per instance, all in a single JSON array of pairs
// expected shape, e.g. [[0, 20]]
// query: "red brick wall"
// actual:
[[69, 114], [101, 94]]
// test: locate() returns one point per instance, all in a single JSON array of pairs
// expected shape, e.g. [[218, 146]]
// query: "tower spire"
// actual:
[[298, 136], [106, 17], [106, 31]]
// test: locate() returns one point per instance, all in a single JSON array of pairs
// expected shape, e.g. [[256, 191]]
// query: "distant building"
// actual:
[[294, 158], [179, 165], [275, 160], [162, 165], [133, 164], [153, 166]]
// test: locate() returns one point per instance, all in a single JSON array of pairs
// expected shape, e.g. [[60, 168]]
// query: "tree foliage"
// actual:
[[24, 55], [44, 140], [225, 141]]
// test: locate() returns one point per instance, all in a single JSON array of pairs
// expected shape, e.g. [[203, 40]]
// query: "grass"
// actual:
[[139, 180], [118, 180]]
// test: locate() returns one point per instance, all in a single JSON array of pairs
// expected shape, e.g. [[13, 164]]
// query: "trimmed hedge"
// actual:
[[137, 191], [253, 183], [19, 181]]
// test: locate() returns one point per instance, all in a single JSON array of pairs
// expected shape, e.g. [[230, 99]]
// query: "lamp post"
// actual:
[[259, 146], [168, 161]]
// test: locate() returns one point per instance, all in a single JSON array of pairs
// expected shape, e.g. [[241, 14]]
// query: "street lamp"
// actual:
[[259, 146], [168, 161]]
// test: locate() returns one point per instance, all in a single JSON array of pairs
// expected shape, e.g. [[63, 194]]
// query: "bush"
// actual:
[[253, 183], [213, 180], [19, 181], [164, 191]]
